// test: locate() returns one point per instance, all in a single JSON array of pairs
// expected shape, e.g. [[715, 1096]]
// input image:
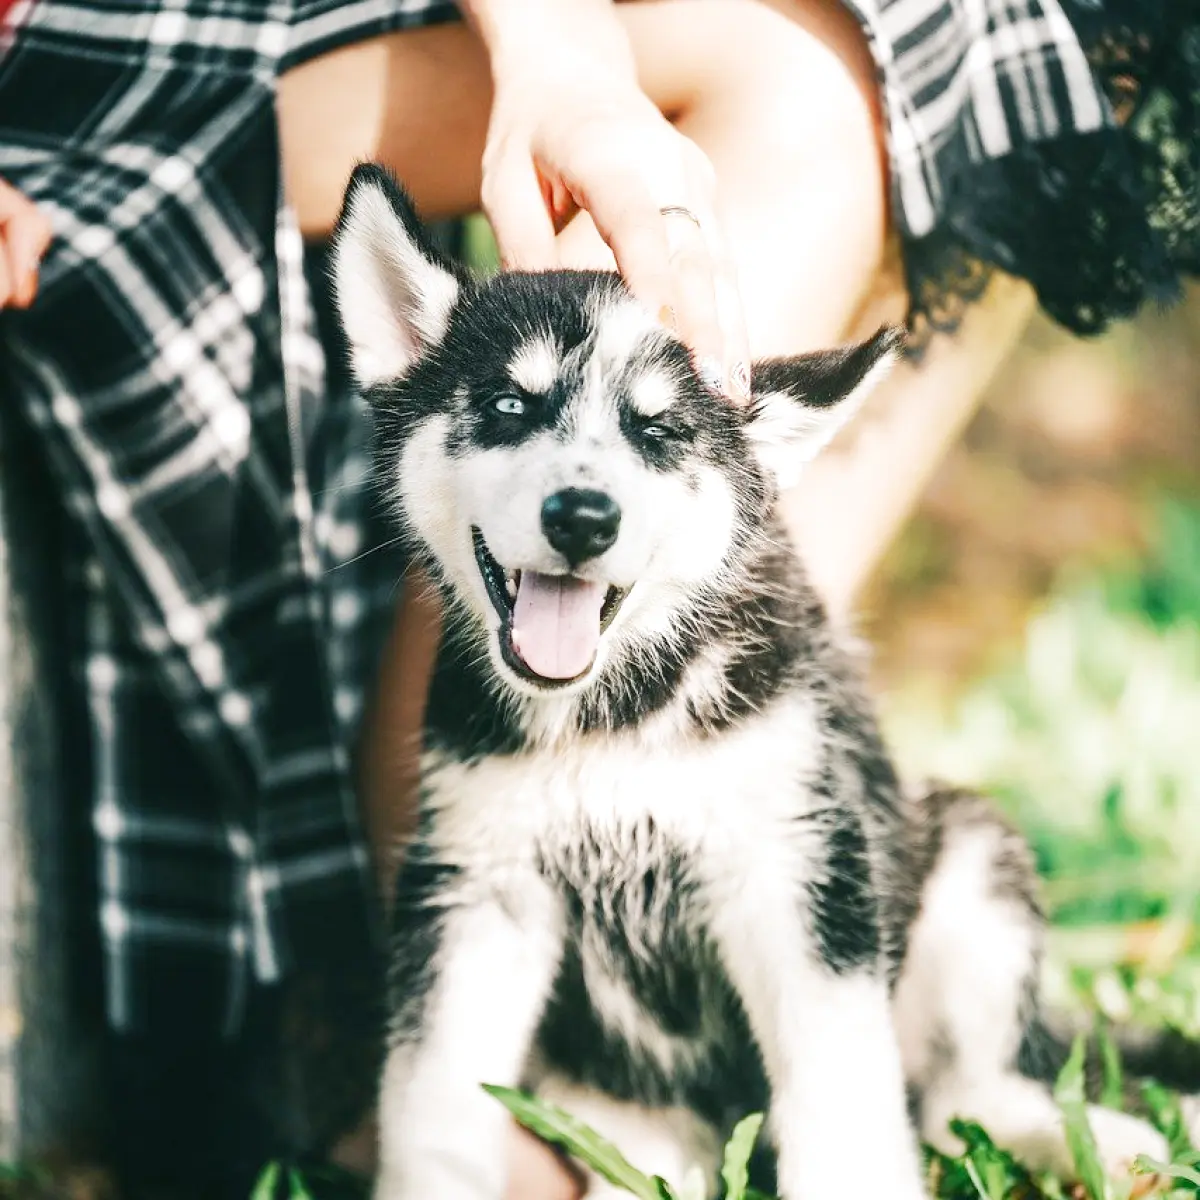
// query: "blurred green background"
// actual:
[[1037, 629]]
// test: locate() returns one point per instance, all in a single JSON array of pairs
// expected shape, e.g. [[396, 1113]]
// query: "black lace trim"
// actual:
[[1100, 224]]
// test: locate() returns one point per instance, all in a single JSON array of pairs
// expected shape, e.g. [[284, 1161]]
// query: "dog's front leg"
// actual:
[[838, 1105], [473, 971]]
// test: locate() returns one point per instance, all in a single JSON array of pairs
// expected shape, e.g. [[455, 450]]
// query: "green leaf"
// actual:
[[1168, 1118], [991, 1171], [264, 1189], [555, 1125], [1147, 1166], [663, 1188], [1072, 1103], [298, 1189], [985, 1188], [736, 1168], [1112, 1091]]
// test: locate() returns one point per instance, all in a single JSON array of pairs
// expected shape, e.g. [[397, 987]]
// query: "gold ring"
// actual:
[[677, 210]]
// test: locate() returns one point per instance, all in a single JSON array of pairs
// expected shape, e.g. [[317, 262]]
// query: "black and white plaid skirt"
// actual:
[[233, 574]]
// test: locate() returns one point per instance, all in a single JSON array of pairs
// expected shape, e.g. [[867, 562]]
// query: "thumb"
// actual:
[[514, 205]]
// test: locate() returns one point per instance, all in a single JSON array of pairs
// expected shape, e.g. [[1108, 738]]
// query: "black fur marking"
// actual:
[[662, 442], [464, 716], [826, 379], [671, 971], [487, 425], [843, 902], [648, 684], [416, 936]]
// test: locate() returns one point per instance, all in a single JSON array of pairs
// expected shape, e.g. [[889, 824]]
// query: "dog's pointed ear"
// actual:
[[394, 292], [799, 404]]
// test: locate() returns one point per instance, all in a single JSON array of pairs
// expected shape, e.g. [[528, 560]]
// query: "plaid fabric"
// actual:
[[965, 81], [1056, 140], [172, 369]]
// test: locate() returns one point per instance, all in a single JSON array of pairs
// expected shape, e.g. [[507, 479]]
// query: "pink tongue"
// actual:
[[556, 624]]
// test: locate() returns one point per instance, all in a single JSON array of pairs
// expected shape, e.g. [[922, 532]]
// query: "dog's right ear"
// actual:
[[798, 404], [394, 292]]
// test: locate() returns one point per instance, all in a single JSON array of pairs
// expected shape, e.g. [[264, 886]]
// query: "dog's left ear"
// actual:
[[799, 404], [394, 291]]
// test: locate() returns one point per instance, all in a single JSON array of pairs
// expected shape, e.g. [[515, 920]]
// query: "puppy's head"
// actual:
[[551, 449]]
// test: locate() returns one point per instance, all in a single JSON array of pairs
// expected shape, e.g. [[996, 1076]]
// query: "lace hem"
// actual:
[[1101, 223]]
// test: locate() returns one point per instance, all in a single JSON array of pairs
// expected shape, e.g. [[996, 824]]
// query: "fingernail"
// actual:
[[739, 379], [666, 316], [711, 374]]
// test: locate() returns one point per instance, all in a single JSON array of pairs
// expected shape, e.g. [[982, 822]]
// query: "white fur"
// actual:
[[440, 1133], [622, 328], [502, 809], [393, 300], [968, 954], [536, 365], [653, 394], [671, 535], [835, 1047], [502, 944], [827, 1042]]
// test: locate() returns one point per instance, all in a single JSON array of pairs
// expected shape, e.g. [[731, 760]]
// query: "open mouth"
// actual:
[[550, 625]]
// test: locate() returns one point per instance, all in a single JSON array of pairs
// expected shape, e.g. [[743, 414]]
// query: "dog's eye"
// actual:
[[510, 405], [658, 433]]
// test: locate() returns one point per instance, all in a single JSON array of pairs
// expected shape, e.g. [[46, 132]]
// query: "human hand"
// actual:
[[571, 129], [24, 235]]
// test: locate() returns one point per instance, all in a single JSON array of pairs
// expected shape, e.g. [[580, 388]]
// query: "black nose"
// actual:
[[580, 524]]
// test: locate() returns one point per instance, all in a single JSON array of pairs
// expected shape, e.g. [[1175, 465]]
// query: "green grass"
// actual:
[[1089, 734], [980, 1171]]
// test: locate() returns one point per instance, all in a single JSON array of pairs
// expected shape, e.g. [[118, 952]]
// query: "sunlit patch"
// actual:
[[536, 365], [653, 393], [621, 329]]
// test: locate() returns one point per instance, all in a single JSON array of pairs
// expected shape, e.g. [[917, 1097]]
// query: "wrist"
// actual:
[[569, 36]]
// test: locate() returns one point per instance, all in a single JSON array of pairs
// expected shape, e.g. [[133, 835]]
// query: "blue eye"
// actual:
[[512, 406], [657, 432]]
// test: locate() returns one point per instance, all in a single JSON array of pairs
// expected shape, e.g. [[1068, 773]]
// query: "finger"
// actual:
[[516, 207], [26, 290], [731, 318], [730, 313], [6, 287], [26, 234], [627, 218], [26, 241], [696, 298], [664, 258]]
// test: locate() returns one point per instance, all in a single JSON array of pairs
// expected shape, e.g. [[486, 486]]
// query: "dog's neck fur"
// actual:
[[744, 645]]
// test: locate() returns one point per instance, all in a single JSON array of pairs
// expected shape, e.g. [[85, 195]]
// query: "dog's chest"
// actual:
[[640, 842], [710, 796]]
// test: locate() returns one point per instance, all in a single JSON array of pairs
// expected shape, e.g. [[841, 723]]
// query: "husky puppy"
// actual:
[[666, 874]]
